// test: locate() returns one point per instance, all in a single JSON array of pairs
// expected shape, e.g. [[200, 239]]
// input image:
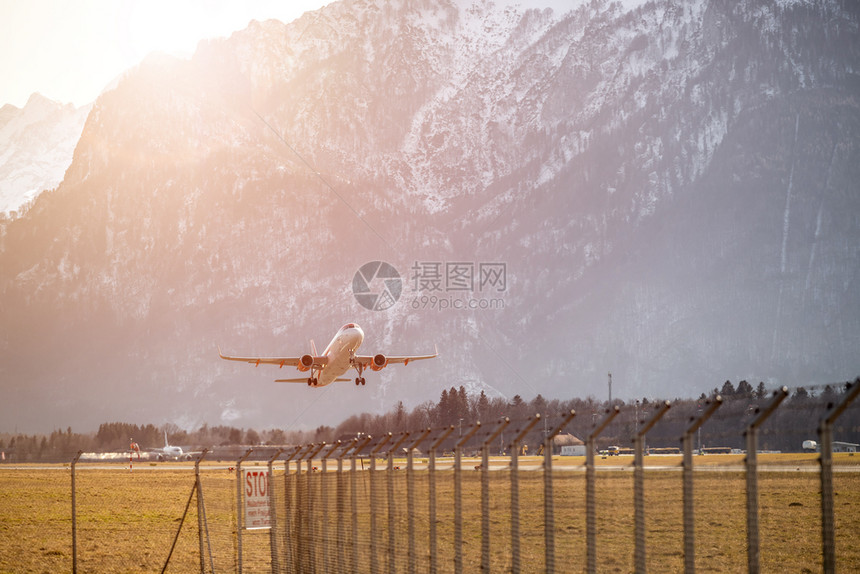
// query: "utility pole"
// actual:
[[700, 427], [636, 421], [610, 390]]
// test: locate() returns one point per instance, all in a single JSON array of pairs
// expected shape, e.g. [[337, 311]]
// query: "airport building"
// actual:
[[568, 445], [838, 446]]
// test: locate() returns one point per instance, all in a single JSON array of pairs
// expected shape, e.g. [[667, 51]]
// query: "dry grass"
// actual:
[[127, 521]]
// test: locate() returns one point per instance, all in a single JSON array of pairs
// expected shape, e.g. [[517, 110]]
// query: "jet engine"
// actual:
[[379, 362], [305, 363]]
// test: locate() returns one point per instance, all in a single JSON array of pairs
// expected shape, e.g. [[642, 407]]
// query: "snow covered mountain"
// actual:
[[36, 146], [662, 190]]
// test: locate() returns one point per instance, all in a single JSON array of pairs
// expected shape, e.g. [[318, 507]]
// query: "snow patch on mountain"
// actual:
[[37, 144]]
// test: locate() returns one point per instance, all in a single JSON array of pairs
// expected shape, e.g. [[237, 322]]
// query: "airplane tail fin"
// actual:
[[166, 444]]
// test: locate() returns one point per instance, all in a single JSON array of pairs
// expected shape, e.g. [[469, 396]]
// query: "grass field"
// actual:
[[127, 520]]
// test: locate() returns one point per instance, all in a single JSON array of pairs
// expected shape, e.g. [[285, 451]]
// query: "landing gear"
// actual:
[[312, 381], [359, 380]]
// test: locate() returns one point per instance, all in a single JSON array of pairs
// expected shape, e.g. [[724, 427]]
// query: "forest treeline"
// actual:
[[793, 422]]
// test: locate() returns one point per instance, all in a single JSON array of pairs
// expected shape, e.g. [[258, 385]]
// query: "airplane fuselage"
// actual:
[[340, 352], [171, 452], [168, 451]]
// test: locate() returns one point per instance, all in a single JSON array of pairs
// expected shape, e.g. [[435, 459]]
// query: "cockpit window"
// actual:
[[348, 326]]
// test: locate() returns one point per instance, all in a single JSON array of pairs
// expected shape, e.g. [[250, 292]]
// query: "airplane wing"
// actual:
[[367, 360], [280, 361], [191, 454], [305, 380]]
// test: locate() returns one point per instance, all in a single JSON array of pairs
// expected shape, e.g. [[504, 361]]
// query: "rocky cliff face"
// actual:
[[667, 191], [36, 146]]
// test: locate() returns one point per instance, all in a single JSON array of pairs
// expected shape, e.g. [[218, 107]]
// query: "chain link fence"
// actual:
[[462, 500]]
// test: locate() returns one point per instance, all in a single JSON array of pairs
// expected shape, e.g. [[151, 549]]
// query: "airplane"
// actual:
[[339, 356], [170, 452]]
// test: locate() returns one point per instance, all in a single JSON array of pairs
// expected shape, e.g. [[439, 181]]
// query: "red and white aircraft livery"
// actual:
[[337, 359]]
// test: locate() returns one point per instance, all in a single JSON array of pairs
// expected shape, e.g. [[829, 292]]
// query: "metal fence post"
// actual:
[[273, 512], [639, 487], [753, 564], [341, 510], [374, 531], [302, 508], [390, 488], [431, 492], [301, 496], [825, 437], [485, 493], [309, 540], [288, 512], [590, 518], [75, 516], [301, 504], [458, 498], [353, 483], [410, 499], [515, 496], [240, 510], [201, 511], [689, 522], [323, 512], [548, 500]]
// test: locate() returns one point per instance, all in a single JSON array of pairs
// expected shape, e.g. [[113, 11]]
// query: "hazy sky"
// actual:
[[70, 50]]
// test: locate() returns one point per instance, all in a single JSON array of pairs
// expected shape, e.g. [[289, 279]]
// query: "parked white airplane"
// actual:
[[337, 359]]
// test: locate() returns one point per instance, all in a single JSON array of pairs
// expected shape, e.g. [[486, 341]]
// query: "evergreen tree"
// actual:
[[483, 407], [277, 436], [538, 405], [400, 416], [463, 405], [517, 408], [323, 433], [234, 436], [442, 409], [745, 390]]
